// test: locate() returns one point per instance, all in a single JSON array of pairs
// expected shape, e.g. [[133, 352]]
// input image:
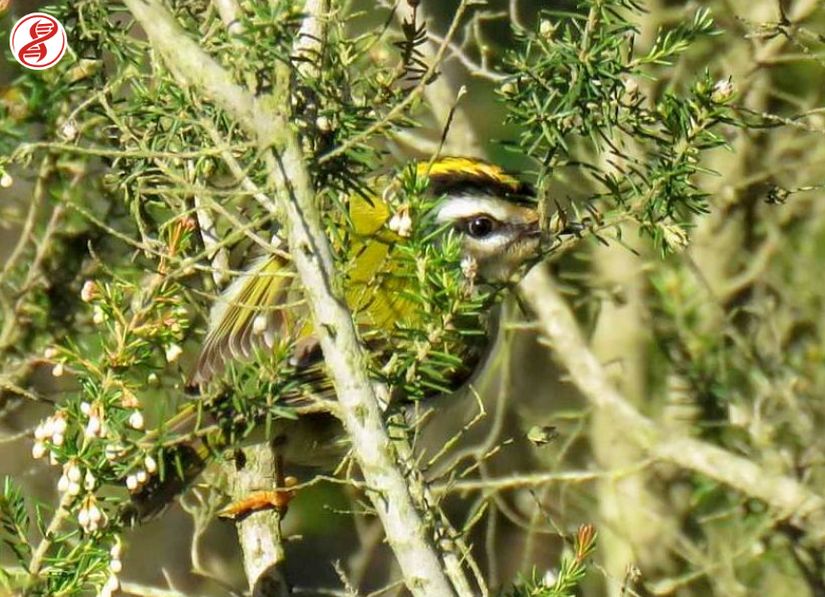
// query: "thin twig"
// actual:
[[58, 518], [491, 485], [218, 255], [31, 218], [401, 106]]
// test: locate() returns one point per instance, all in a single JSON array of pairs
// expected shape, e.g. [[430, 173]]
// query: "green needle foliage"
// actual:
[[586, 105], [15, 522]]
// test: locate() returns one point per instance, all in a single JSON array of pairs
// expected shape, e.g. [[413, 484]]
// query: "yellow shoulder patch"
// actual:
[[367, 218]]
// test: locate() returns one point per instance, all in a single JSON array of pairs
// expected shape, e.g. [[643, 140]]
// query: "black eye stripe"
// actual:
[[457, 183]]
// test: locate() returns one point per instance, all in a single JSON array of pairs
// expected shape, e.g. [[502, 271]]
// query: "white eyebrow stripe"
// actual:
[[466, 206]]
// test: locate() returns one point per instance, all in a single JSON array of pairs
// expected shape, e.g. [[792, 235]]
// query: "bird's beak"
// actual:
[[532, 230]]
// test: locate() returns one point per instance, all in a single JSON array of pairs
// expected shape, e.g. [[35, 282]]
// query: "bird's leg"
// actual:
[[277, 498]]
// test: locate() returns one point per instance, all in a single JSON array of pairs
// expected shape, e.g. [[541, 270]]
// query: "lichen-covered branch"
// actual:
[[259, 533]]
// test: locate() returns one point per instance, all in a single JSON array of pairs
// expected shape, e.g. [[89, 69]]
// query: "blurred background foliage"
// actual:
[[716, 333]]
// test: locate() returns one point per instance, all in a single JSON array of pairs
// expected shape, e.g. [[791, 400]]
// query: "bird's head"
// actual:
[[493, 213]]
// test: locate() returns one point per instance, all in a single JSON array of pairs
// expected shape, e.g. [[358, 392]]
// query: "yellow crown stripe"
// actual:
[[467, 167]]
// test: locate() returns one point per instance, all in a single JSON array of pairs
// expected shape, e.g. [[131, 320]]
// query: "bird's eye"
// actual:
[[480, 227]]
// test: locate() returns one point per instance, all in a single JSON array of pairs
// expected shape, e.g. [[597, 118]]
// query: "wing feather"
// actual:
[[235, 327]]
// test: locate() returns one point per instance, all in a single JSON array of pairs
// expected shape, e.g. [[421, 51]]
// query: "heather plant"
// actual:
[[673, 150]]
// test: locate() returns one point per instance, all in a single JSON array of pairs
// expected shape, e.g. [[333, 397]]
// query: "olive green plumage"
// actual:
[[425, 335]]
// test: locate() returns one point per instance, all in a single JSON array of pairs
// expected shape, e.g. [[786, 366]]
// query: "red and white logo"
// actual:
[[38, 41]]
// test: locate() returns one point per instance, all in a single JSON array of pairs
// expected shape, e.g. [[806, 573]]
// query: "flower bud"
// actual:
[[69, 130], [38, 450], [722, 91], [98, 316], [88, 291], [44, 429], [323, 123], [401, 223], [136, 420], [59, 424], [112, 584], [173, 351], [112, 451], [73, 472], [93, 427]]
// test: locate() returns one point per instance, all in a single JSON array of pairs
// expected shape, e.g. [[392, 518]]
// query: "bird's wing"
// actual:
[[249, 314]]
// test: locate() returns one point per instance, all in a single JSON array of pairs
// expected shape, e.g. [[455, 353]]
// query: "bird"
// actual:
[[421, 277]]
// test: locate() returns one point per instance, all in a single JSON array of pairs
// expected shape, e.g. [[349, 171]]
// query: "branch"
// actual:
[[41, 551], [217, 254], [310, 41], [264, 119], [791, 499], [260, 532], [520, 481]]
